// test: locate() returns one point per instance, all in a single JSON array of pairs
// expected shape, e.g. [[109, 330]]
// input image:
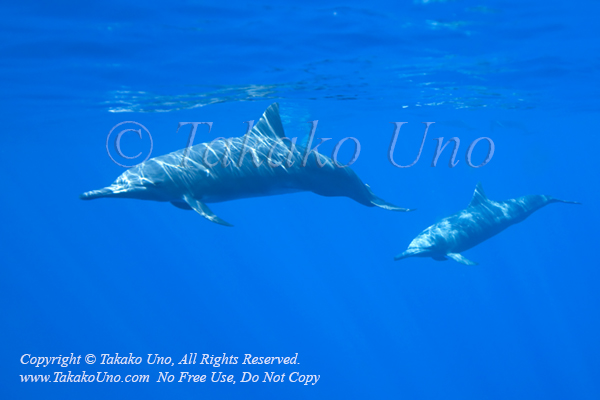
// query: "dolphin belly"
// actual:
[[223, 196]]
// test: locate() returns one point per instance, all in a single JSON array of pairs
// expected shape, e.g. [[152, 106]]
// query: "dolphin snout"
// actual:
[[406, 254], [96, 194], [411, 252]]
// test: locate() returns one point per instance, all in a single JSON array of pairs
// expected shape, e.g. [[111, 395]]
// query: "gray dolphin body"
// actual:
[[483, 219], [260, 163]]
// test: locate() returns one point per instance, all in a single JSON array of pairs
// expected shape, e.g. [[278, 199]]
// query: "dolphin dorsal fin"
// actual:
[[269, 124], [479, 196]]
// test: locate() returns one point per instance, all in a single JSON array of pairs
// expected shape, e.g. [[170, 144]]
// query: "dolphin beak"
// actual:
[[114, 190], [406, 254], [96, 194]]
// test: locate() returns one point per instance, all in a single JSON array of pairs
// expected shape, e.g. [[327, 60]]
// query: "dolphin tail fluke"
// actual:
[[553, 200], [203, 210], [379, 202]]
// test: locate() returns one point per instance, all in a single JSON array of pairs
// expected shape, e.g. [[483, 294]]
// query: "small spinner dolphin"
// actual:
[[483, 219], [191, 184]]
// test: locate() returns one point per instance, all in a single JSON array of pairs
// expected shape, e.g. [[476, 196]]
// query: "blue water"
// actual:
[[302, 273]]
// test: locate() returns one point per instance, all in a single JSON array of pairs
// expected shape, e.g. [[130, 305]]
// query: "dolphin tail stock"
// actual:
[[379, 202]]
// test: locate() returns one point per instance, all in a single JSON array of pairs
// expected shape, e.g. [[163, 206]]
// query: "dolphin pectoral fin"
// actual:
[[203, 210], [461, 259], [182, 205]]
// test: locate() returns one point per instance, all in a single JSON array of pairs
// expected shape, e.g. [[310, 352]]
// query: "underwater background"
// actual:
[[302, 273]]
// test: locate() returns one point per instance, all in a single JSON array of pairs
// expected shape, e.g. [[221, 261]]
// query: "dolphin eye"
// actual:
[[148, 182], [156, 183]]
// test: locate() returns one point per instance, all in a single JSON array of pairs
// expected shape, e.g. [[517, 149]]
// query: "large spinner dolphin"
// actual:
[[260, 163]]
